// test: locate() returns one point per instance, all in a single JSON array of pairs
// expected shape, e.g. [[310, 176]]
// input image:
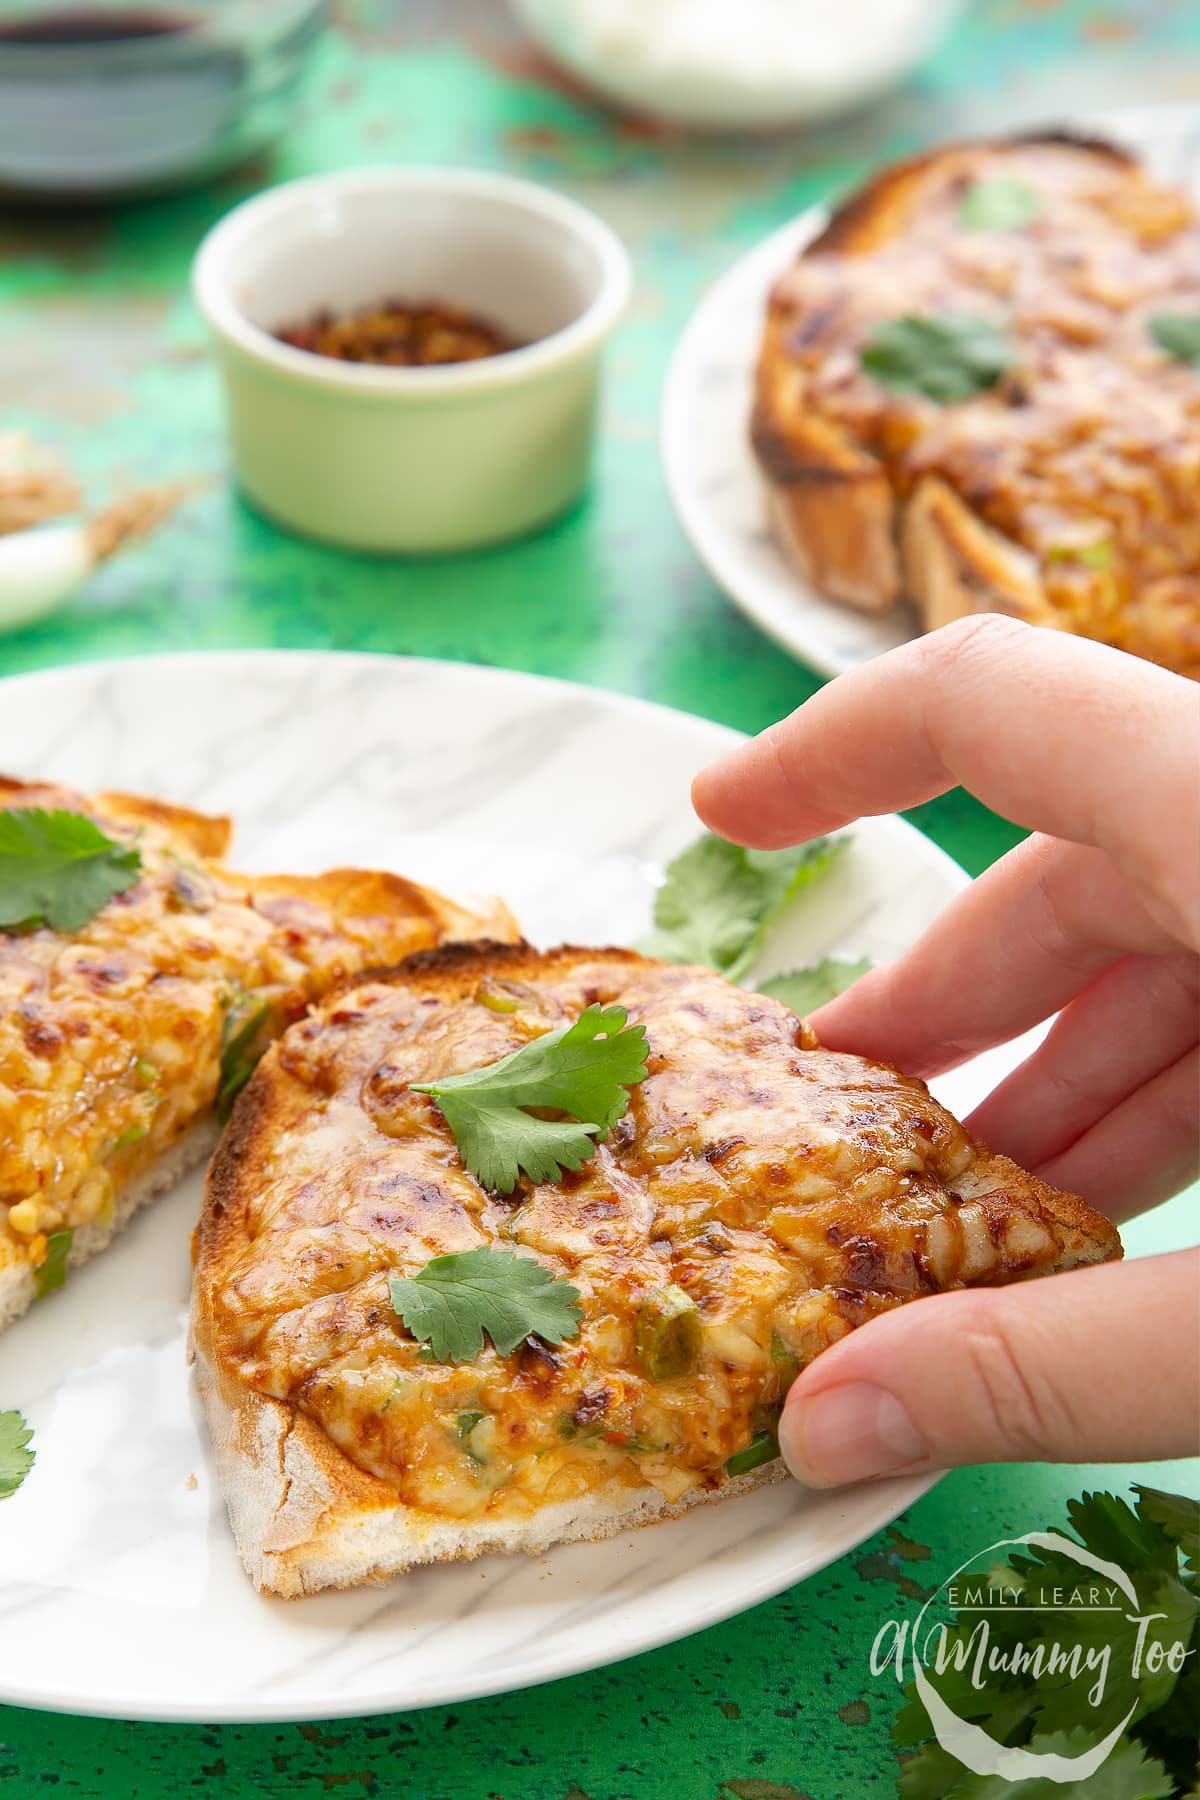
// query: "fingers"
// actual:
[[1064, 736], [1019, 943], [1137, 1019], [1144, 1151], [1101, 1364]]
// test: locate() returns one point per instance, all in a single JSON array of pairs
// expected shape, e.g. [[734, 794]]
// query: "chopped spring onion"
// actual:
[[762, 1448], [668, 1334], [53, 1270]]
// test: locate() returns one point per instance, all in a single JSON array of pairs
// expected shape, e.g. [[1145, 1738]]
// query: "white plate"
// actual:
[[710, 468], [120, 1591]]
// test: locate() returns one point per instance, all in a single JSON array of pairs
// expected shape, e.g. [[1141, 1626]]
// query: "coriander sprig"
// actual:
[[58, 868], [1178, 334], [16, 1458], [1157, 1757]]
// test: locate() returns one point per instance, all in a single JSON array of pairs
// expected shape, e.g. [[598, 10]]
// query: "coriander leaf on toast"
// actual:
[[584, 1069], [946, 357], [456, 1298], [998, 203], [58, 868]]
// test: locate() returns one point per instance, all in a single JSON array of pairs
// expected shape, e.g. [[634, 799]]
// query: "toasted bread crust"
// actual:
[[309, 1512], [873, 213], [1083, 446]]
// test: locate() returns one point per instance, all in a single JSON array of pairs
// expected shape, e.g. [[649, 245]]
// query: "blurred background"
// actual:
[[103, 355]]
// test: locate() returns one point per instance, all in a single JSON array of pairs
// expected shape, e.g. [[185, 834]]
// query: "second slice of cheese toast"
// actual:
[[119, 1039]]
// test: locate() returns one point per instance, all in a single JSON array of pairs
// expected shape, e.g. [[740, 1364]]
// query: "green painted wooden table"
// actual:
[[102, 354]]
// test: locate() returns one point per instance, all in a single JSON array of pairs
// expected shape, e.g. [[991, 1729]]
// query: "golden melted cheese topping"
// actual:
[[1094, 435], [111, 1037], [790, 1193]]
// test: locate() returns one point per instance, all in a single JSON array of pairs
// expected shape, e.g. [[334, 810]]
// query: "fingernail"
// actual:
[[848, 1433]]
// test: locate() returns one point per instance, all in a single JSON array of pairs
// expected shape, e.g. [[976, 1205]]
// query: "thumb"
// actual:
[[1099, 1365]]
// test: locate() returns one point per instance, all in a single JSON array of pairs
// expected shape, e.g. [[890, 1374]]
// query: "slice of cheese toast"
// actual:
[[1067, 491], [116, 1039], [776, 1193]]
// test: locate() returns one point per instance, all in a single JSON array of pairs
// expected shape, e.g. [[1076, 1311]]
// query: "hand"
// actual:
[[1096, 918]]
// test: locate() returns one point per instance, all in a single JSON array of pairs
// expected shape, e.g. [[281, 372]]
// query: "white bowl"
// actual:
[[737, 65], [412, 459]]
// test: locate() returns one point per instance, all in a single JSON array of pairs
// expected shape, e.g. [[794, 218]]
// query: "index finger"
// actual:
[[1058, 734]]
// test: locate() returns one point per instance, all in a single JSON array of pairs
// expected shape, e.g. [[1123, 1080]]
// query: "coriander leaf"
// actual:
[[456, 1298], [497, 1141], [58, 868], [783, 874], [1061, 1703], [948, 356], [584, 1069], [1169, 1732], [929, 1774], [1178, 1517], [16, 1458], [52, 1271], [803, 990], [710, 906], [998, 203], [718, 900], [1125, 1774], [1178, 334], [1108, 1526]]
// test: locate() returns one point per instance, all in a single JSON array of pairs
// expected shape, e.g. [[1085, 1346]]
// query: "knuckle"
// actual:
[[978, 639], [780, 753], [1066, 920], [1019, 1414], [1180, 1103]]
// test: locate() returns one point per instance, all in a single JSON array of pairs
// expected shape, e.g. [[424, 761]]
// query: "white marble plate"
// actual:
[[120, 1592], [710, 468]]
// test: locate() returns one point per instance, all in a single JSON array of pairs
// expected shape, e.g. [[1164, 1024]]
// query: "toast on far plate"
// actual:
[[139, 981], [979, 390], [418, 1337]]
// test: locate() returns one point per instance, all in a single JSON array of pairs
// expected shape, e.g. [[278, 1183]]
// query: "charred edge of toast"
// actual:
[[454, 967], [782, 466], [858, 206], [441, 959], [480, 956]]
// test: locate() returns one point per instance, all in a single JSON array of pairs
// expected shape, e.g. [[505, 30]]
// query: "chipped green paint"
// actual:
[[763, 1790], [102, 353], [885, 1563], [855, 1712]]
